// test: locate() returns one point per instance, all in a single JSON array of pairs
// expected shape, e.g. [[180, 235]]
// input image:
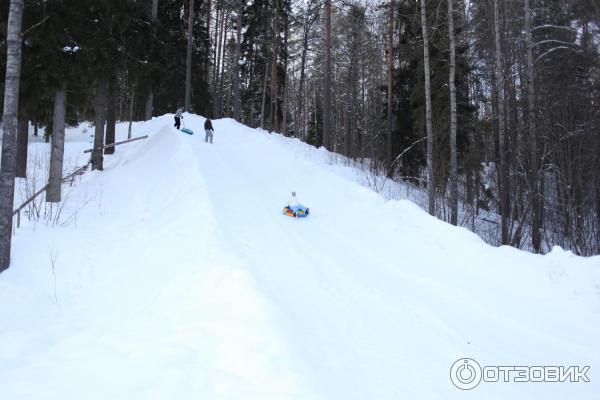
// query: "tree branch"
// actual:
[[34, 26]]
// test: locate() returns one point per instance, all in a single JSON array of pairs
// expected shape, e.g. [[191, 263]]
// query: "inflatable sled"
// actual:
[[188, 131], [298, 211]]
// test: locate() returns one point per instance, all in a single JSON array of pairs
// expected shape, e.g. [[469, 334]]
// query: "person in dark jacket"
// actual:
[[208, 128], [178, 117]]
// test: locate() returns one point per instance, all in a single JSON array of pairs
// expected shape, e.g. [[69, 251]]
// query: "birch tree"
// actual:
[[9, 136], [452, 85], [327, 125], [502, 169], [310, 15], [237, 108], [274, 82], [428, 117], [534, 164]]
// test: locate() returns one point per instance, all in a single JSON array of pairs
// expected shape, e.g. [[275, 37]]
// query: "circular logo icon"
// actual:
[[465, 373]]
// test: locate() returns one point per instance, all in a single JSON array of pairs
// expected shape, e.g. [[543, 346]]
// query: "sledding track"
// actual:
[[183, 279], [371, 296]]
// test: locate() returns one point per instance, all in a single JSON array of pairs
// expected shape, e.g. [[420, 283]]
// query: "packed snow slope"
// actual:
[[173, 274]]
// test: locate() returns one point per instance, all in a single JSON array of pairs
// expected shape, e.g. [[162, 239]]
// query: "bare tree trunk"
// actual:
[[264, 97], [284, 123], [274, 79], [131, 103], [111, 120], [533, 162], [22, 143], [284, 129], [503, 167], [217, 95], [237, 108], [354, 112], [9, 136], [149, 109], [327, 125], [149, 105], [188, 62], [390, 63], [100, 120], [428, 118], [53, 194], [154, 10], [208, 46], [302, 88], [228, 105], [224, 56], [453, 160], [284, 110], [347, 126], [213, 86]]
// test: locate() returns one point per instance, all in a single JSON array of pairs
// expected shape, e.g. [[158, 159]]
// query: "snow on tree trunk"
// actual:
[[452, 83], [428, 118], [9, 138], [53, 194]]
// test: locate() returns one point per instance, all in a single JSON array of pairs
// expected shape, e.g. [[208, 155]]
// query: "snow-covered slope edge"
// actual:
[[182, 279]]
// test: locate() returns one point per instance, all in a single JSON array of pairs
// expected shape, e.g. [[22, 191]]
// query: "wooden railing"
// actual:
[[118, 143], [71, 176]]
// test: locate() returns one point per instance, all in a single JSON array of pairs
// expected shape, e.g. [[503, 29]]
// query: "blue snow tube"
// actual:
[[298, 211]]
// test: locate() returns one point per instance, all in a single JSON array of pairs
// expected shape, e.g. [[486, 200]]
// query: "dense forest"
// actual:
[[486, 106]]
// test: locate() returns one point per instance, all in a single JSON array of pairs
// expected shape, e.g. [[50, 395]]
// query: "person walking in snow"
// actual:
[[178, 117], [208, 128]]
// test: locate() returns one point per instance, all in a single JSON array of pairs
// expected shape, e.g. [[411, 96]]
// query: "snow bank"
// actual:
[[181, 278]]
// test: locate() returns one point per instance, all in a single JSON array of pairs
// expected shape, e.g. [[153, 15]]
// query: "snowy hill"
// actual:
[[176, 276]]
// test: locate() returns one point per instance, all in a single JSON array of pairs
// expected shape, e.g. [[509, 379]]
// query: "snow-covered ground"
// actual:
[[173, 274]]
